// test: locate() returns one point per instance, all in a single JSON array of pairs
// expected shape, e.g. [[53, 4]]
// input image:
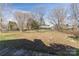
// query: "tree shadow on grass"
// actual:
[[74, 37], [36, 47]]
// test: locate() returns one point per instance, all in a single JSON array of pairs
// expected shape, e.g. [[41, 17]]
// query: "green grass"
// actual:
[[7, 37]]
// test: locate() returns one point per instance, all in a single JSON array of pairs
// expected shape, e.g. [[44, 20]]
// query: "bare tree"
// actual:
[[0, 25], [29, 22], [57, 17], [21, 19], [75, 15], [1, 20], [39, 14], [4, 7]]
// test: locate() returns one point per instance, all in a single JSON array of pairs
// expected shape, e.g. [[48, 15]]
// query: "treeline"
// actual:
[[33, 20]]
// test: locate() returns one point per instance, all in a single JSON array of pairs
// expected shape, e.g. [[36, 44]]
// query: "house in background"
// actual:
[[46, 27], [12, 26]]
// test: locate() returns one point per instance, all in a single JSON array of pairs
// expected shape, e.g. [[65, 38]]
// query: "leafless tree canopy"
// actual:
[[1, 8], [75, 14], [2, 16], [57, 17], [39, 14], [22, 18]]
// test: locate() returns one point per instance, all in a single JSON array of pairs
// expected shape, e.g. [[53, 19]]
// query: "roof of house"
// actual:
[[45, 26]]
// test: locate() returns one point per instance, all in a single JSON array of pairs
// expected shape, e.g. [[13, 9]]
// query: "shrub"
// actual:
[[34, 24]]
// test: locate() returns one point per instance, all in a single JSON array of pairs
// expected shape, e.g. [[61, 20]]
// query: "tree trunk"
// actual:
[[20, 30]]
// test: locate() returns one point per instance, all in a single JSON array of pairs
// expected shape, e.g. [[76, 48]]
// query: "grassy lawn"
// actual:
[[46, 36], [7, 36]]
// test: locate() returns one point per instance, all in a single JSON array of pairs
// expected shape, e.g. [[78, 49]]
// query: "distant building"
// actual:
[[12, 26], [45, 27]]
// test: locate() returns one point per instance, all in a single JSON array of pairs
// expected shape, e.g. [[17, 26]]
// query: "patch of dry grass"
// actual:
[[48, 37]]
